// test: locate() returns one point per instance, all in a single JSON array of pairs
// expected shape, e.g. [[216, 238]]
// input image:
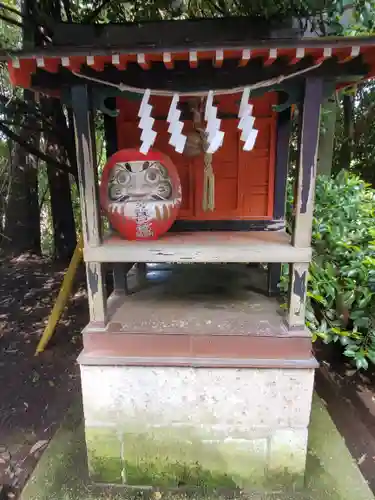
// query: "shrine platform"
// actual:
[[204, 246], [198, 315], [196, 374]]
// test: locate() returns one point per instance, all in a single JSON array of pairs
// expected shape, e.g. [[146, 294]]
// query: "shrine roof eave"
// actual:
[[194, 70], [220, 52], [180, 36], [103, 49]]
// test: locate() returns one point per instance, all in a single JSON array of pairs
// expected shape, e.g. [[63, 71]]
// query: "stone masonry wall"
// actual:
[[204, 427]]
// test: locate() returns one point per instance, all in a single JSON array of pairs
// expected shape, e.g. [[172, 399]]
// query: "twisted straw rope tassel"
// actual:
[[208, 201]]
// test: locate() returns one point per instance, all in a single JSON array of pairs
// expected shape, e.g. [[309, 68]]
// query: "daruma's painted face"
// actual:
[[141, 195], [139, 180]]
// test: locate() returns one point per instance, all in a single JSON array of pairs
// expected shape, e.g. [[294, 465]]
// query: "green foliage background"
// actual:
[[341, 284]]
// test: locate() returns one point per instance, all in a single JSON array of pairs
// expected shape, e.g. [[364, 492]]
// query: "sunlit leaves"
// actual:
[[10, 34]]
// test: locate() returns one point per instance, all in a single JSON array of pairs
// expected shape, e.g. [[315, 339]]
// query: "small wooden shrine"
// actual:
[[195, 378]]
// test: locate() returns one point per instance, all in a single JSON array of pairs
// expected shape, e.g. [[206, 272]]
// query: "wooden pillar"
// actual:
[[119, 277], [88, 188], [273, 279], [304, 197], [284, 123], [119, 269]]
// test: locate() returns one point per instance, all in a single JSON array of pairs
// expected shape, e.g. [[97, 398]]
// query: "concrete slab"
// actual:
[[331, 472]]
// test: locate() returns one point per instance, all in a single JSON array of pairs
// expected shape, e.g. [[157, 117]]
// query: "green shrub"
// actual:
[[341, 287]]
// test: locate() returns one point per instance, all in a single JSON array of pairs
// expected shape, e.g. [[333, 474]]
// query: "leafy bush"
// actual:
[[341, 288]]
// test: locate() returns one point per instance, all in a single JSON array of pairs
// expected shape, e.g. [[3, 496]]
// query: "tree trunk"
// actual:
[[346, 152], [327, 137], [22, 217], [64, 230], [22, 224], [4, 170], [2, 205]]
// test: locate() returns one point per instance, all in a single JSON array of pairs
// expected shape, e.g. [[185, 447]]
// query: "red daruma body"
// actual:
[[141, 194]]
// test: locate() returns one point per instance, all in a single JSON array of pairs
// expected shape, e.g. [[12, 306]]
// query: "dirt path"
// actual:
[[34, 391]]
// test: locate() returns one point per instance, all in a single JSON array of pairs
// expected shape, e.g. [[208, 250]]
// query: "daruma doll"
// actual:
[[141, 194]]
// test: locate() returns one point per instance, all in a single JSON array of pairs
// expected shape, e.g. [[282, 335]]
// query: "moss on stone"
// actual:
[[105, 470], [332, 474], [285, 480], [104, 455], [168, 458], [177, 474]]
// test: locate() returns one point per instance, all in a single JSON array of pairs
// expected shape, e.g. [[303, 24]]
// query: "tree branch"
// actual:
[[22, 25], [223, 7], [53, 134], [360, 125], [34, 151], [93, 15], [68, 13], [215, 6], [43, 198], [16, 106], [12, 104], [16, 117], [11, 123], [42, 19], [11, 9], [13, 22]]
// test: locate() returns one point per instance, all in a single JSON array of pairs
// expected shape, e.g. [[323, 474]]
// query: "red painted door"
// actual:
[[244, 181]]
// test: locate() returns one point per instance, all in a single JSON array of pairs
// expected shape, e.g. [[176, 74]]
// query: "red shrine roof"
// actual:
[[103, 52]]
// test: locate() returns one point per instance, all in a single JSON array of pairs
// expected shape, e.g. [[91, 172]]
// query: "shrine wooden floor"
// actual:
[[197, 314], [198, 300], [203, 247]]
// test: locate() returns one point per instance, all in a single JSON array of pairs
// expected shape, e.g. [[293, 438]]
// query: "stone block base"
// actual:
[[174, 426]]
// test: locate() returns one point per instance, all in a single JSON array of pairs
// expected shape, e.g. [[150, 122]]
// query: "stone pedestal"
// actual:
[[212, 427]]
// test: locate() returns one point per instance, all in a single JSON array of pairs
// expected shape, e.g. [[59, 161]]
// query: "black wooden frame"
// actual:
[[284, 128]]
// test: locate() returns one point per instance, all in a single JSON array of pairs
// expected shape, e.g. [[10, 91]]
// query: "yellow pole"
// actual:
[[62, 298]]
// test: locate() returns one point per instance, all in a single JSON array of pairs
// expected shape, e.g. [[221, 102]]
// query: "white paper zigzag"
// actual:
[[215, 136], [248, 132], [146, 123], [177, 139]]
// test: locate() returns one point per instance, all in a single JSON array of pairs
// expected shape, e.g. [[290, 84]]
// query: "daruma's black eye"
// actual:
[[145, 165], [152, 175], [128, 167], [123, 177]]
